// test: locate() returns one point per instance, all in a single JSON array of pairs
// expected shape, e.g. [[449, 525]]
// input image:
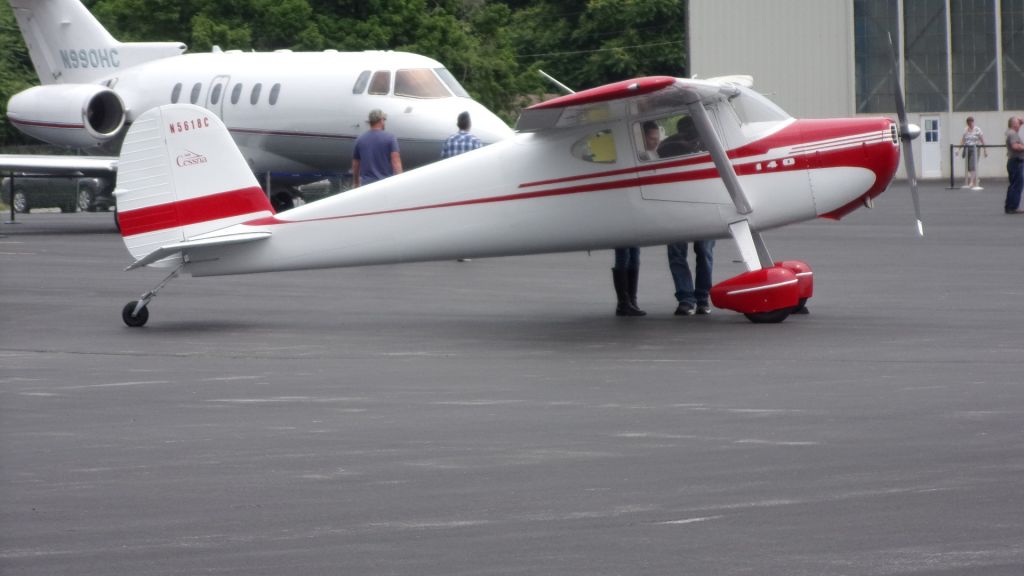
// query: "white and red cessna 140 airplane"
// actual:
[[290, 113], [577, 176]]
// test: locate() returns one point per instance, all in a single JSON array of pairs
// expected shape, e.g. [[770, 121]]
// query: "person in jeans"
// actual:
[[692, 298], [1014, 164]]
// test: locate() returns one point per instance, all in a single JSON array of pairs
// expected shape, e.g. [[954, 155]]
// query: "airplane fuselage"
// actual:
[[803, 169], [298, 112]]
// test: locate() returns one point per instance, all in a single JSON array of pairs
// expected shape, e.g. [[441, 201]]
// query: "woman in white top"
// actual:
[[972, 138]]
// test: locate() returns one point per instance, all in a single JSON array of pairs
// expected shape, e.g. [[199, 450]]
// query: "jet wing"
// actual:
[[59, 165], [640, 95]]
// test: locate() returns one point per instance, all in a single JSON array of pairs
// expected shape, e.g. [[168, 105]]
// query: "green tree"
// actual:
[[494, 48], [16, 73]]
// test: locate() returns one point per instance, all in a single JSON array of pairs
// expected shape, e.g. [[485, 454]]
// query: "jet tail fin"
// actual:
[[180, 179], [68, 45]]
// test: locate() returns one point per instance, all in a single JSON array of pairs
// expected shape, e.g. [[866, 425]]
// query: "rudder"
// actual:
[[68, 45]]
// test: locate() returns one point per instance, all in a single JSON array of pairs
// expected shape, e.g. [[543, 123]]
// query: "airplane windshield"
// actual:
[[750, 106], [449, 79], [419, 83]]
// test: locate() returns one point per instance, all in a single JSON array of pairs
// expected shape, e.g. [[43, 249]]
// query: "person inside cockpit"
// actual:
[[686, 140]]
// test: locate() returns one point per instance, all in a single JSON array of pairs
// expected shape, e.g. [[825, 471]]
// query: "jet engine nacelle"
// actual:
[[73, 115]]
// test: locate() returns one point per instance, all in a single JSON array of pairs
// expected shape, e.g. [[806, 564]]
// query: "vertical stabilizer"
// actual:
[[180, 176], [69, 46]]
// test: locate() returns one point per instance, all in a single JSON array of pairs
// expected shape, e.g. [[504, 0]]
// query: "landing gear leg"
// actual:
[[135, 313]]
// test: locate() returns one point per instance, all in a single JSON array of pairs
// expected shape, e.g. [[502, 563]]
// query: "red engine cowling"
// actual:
[[73, 115]]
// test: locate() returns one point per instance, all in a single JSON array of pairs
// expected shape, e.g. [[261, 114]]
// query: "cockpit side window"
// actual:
[[381, 82], [598, 147], [419, 83], [360, 84], [667, 137], [449, 80]]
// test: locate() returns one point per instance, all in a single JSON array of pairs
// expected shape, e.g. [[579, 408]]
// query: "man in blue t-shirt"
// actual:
[[375, 156]]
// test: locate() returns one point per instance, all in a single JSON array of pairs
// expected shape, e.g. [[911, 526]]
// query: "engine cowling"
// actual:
[[73, 115]]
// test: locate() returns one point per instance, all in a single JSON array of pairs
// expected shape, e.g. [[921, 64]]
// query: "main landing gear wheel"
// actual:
[[801, 307], [772, 317], [136, 320]]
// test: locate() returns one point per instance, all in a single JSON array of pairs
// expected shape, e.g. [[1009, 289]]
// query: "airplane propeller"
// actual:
[[908, 132]]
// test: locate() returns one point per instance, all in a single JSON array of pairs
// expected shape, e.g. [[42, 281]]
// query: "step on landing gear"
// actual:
[[135, 313]]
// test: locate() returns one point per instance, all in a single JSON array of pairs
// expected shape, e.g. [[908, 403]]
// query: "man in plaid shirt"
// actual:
[[462, 141]]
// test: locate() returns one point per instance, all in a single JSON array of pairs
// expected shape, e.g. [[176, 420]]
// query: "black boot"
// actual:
[[624, 306], [632, 279]]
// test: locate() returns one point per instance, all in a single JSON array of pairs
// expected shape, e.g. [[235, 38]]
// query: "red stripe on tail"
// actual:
[[193, 211]]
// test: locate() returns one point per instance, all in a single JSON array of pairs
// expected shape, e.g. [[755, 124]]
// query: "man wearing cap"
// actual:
[[375, 156], [462, 141]]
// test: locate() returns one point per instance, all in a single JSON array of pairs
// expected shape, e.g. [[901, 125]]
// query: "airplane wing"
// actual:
[[649, 95], [59, 165], [642, 94]]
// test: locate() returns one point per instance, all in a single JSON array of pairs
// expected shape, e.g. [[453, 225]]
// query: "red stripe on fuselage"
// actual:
[[193, 211], [41, 124], [797, 133]]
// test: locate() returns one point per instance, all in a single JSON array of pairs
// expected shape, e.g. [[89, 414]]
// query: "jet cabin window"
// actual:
[[598, 147], [381, 83], [255, 96], [275, 91], [215, 97], [194, 97], [236, 93], [176, 93], [666, 137], [419, 83]]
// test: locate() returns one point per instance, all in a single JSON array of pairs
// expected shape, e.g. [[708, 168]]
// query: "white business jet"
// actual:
[[578, 175], [290, 113]]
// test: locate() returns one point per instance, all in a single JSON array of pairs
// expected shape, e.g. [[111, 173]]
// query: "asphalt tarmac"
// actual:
[[494, 417]]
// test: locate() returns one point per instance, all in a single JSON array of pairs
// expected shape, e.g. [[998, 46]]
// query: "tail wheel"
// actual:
[[136, 320]]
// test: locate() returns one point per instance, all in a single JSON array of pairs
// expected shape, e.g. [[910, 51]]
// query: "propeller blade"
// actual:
[[907, 133], [908, 162]]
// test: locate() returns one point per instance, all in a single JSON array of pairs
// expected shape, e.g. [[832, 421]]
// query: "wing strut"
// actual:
[[714, 145]]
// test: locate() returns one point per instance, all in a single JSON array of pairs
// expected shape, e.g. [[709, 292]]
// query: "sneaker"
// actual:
[[704, 309], [977, 188], [684, 309]]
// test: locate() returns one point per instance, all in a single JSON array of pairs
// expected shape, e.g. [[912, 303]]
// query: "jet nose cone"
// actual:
[[488, 127]]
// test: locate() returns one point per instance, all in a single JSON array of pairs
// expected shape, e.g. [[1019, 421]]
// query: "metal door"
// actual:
[[217, 94], [931, 147]]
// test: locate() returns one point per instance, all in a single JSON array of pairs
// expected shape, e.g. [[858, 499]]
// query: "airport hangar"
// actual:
[[830, 58]]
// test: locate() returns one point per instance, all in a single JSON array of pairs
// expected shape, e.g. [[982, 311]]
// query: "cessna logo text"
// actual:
[[189, 125], [91, 58], [190, 158]]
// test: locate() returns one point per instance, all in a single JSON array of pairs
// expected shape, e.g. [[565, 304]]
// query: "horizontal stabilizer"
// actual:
[[171, 249]]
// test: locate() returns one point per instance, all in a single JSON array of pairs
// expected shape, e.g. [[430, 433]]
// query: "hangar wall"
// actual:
[[798, 51], [802, 55]]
